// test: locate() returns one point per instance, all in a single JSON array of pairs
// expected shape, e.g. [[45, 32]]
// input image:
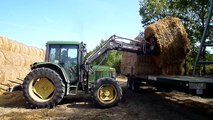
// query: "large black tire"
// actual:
[[106, 83], [53, 80], [129, 83], [135, 85]]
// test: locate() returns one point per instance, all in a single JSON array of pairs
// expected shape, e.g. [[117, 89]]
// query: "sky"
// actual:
[[33, 22]]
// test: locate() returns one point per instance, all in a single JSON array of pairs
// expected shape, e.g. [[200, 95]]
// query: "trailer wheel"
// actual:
[[129, 83], [107, 93], [43, 88], [134, 85]]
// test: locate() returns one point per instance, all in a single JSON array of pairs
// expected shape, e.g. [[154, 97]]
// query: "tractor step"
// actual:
[[73, 90]]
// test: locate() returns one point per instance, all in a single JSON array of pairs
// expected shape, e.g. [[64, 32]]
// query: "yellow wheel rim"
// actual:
[[107, 93], [41, 89]]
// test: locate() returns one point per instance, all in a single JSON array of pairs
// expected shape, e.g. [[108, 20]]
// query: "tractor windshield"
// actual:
[[66, 56]]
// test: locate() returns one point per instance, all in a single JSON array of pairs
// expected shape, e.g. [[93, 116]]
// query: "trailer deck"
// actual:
[[195, 85]]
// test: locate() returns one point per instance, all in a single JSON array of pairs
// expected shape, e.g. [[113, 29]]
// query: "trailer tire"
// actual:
[[129, 83], [43, 88], [106, 93], [134, 85]]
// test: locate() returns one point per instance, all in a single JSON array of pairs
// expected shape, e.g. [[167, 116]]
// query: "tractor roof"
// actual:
[[63, 42]]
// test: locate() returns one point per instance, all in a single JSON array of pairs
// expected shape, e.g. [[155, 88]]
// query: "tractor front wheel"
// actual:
[[43, 88], [107, 92]]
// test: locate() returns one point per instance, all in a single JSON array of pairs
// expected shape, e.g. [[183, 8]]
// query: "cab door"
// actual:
[[67, 57]]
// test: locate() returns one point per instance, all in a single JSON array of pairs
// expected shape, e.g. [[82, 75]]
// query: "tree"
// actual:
[[193, 14]]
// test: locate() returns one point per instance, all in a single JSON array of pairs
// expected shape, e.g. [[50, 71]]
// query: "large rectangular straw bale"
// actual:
[[145, 65], [128, 63], [16, 58]]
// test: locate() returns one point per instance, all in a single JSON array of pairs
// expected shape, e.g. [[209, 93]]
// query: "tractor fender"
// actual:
[[60, 70]]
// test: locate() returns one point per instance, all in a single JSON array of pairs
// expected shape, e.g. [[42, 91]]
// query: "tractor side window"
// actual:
[[54, 54], [72, 55], [69, 57], [64, 56]]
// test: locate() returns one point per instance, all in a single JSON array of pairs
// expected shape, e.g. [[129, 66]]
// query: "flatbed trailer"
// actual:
[[192, 84], [189, 84]]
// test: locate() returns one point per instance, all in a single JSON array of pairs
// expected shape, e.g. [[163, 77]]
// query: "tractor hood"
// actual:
[[101, 72]]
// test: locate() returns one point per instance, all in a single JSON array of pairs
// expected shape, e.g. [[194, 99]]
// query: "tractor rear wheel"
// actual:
[[107, 92], [43, 88]]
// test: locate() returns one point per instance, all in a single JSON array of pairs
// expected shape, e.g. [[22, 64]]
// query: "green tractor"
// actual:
[[66, 70]]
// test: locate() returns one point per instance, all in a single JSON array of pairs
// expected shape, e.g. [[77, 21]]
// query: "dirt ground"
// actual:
[[147, 104]]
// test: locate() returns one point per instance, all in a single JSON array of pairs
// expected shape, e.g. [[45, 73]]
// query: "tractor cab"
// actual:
[[65, 54]]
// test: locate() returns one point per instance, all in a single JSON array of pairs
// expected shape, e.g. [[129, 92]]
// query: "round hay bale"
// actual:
[[171, 38], [175, 70], [172, 43]]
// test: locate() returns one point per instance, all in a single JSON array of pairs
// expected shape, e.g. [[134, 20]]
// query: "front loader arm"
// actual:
[[134, 46]]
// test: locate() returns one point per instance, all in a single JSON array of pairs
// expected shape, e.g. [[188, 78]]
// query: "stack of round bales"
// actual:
[[172, 44], [16, 58]]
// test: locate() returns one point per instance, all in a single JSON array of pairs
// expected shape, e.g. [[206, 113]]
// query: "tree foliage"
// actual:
[[113, 58], [193, 14]]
